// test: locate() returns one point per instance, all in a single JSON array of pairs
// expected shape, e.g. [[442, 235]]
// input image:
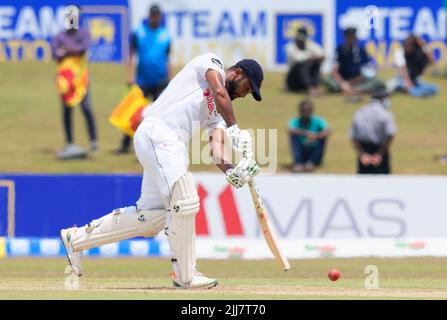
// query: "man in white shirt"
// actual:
[[199, 96], [304, 58]]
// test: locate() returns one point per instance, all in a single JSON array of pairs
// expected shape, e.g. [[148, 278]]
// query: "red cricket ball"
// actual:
[[333, 274]]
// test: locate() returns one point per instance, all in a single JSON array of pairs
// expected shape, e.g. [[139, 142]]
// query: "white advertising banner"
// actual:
[[240, 29], [317, 216], [326, 206]]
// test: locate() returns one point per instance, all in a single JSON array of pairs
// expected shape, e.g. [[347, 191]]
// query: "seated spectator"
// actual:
[[372, 132], [352, 72], [411, 60], [308, 135], [304, 58]]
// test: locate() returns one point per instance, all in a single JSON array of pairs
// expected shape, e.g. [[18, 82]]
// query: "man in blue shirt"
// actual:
[[308, 135], [352, 71], [151, 42]]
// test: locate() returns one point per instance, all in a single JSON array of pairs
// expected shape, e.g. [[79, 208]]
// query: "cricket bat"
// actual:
[[266, 226]]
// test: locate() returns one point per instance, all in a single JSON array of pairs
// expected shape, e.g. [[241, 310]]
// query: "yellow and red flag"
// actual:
[[72, 79], [128, 114]]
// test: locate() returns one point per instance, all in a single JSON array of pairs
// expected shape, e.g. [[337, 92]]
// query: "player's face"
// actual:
[[239, 86]]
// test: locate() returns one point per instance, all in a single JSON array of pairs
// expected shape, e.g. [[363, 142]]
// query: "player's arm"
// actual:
[[218, 150], [221, 97], [236, 176]]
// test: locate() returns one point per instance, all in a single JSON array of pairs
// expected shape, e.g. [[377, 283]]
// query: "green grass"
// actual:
[[30, 118], [144, 278]]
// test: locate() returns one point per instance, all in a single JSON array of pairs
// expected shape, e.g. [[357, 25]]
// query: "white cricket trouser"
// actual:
[[164, 159]]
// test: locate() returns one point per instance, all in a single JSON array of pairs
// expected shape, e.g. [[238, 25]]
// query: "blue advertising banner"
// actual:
[[27, 27], [383, 26], [40, 205], [53, 247], [288, 23]]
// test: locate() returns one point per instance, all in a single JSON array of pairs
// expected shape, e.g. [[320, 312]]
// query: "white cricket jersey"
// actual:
[[187, 103]]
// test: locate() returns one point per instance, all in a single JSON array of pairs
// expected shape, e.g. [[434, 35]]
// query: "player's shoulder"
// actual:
[[211, 58]]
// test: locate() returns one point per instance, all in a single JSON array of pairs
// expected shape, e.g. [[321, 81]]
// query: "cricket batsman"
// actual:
[[201, 93]]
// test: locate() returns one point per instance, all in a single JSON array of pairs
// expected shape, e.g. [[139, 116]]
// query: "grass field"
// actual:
[[144, 278], [30, 118]]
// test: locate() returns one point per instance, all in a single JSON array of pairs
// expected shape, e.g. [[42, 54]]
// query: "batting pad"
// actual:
[[121, 224], [181, 229]]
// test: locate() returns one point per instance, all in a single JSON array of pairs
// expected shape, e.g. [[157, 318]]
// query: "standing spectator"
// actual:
[[307, 135], [373, 129], [411, 60], [304, 58], [352, 72], [70, 52], [151, 42]]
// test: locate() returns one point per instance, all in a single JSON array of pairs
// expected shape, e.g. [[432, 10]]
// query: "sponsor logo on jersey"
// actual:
[[217, 62], [209, 102]]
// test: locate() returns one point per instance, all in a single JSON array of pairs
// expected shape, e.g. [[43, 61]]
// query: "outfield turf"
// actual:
[[144, 278], [30, 118]]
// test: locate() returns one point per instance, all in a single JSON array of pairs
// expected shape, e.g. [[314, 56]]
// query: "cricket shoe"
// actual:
[[74, 257], [199, 281]]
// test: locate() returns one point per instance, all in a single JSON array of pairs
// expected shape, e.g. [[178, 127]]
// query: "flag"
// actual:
[[72, 79], [127, 115]]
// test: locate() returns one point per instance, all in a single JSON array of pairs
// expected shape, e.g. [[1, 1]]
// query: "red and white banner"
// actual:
[[326, 207], [318, 216]]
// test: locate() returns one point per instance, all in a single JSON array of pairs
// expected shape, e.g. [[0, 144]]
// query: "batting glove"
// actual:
[[240, 141], [239, 175]]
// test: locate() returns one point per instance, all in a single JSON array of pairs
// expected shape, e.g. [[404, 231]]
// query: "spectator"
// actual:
[[70, 52], [304, 58], [372, 132], [352, 72], [308, 135], [151, 42], [411, 60]]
